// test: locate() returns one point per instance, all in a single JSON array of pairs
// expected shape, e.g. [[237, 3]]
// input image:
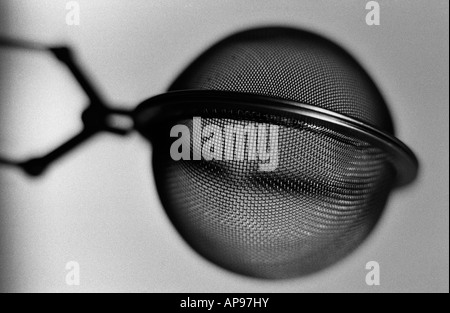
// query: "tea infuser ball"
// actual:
[[338, 159]]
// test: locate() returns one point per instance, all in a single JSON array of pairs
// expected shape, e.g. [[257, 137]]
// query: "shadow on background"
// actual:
[[4, 284]]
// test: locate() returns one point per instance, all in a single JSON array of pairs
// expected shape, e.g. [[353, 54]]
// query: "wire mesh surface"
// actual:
[[291, 65], [328, 189], [320, 203]]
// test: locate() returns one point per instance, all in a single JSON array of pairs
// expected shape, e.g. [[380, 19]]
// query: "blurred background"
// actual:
[[99, 206]]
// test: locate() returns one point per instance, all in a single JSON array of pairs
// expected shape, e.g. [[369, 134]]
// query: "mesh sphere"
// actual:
[[329, 188]]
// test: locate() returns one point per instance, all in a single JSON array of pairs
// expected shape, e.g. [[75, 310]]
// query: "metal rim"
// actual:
[[156, 110]]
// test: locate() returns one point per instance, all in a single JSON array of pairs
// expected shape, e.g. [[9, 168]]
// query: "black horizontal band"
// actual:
[[168, 106]]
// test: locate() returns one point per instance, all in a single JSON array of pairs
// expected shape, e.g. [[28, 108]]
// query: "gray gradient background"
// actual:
[[99, 206]]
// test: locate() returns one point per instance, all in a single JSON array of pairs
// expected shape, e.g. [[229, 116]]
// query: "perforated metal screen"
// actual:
[[328, 189]]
